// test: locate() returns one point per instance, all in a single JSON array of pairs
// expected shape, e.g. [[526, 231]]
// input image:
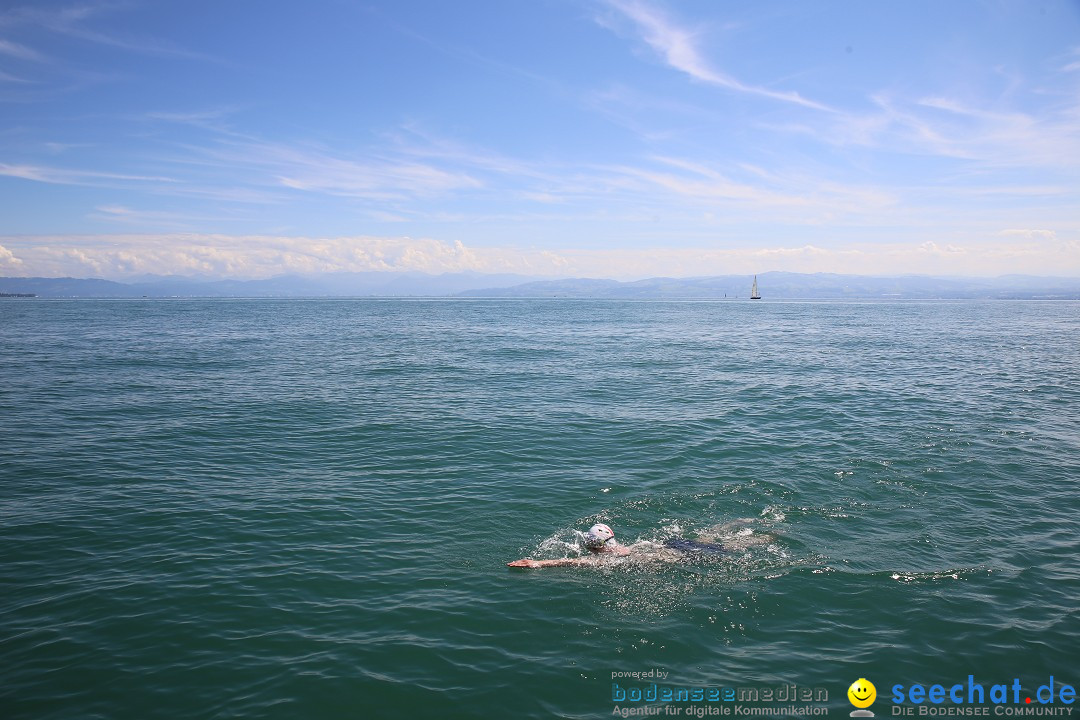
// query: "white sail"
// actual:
[[753, 292]]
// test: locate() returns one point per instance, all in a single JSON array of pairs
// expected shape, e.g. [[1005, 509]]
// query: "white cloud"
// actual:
[[678, 47], [1035, 252], [932, 248], [1029, 234], [9, 263], [249, 256]]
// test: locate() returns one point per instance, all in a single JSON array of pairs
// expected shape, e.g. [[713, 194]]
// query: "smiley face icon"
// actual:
[[862, 693]]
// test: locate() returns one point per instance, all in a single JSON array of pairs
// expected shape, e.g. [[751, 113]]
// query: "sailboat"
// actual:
[[753, 291]]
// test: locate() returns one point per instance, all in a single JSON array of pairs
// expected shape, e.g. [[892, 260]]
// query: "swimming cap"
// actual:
[[598, 535]]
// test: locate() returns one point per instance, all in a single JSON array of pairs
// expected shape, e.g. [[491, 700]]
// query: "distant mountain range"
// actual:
[[773, 285], [365, 284], [787, 286]]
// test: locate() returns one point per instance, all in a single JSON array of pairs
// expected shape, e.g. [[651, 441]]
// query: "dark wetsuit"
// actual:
[[684, 545]]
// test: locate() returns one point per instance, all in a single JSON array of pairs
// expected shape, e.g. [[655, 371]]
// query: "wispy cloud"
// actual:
[[626, 107], [947, 128], [466, 53], [208, 119], [412, 140], [76, 21], [21, 52], [315, 169], [238, 168], [58, 148], [1073, 64], [1006, 138], [415, 176], [8, 77], [133, 217], [679, 48], [740, 191], [657, 181], [42, 77], [72, 176], [406, 166], [707, 185]]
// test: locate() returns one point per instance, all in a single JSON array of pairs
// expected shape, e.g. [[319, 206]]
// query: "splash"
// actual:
[[938, 575], [656, 580], [564, 543]]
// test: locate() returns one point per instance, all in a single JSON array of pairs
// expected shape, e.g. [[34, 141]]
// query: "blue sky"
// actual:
[[617, 138]]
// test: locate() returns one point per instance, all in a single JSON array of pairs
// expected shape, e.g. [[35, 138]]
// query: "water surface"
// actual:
[[262, 508]]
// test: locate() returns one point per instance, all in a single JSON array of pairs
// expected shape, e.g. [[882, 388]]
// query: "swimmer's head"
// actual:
[[598, 536]]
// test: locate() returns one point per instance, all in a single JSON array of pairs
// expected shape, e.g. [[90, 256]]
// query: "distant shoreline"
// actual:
[[774, 286], [542, 298]]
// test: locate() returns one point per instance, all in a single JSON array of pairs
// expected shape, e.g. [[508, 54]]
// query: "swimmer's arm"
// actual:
[[558, 562]]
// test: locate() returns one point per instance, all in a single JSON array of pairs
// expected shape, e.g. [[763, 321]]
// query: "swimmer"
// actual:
[[601, 543], [599, 540]]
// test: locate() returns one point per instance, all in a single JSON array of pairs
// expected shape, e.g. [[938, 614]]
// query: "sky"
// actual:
[[586, 138]]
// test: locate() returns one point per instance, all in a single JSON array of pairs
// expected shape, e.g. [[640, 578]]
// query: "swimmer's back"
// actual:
[[684, 545]]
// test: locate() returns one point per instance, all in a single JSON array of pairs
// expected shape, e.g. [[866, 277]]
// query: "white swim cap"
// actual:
[[598, 536]]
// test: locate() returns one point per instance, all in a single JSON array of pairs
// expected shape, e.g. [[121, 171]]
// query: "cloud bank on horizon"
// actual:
[[619, 138]]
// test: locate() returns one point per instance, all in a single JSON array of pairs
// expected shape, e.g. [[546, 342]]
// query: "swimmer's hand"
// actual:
[[525, 563]]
